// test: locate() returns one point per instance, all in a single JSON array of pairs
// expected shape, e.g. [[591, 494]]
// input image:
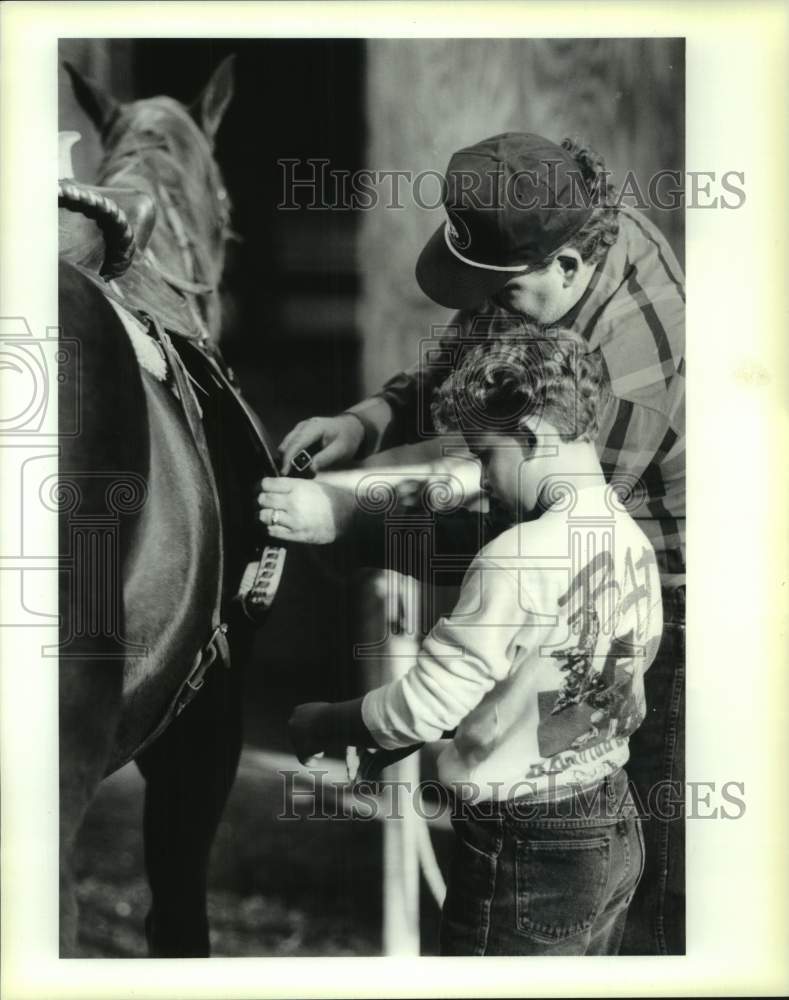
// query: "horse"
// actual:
[[156, 499]]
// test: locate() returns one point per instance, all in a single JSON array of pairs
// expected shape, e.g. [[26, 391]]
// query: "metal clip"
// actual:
[[216, 646]]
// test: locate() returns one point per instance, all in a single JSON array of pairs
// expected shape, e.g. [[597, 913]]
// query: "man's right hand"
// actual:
[[340, 438]]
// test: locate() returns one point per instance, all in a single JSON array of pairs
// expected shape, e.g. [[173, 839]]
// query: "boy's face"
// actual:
[[507, 472]]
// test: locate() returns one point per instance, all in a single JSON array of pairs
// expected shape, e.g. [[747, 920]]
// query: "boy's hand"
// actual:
[[340, 437], [307, 727], [301, 510], [320, 726]]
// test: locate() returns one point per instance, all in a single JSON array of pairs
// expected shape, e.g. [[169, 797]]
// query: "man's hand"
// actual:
[[301, 510], [307, 727], [340, 437]]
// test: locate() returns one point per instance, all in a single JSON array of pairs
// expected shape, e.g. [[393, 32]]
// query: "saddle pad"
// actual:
[[149, 354]]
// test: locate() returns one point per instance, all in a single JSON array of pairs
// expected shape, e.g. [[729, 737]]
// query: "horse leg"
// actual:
[[90, 701], [104, 388], [189, 772]]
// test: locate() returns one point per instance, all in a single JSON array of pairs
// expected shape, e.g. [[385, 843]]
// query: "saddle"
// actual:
[[103, 232], [82, 230]]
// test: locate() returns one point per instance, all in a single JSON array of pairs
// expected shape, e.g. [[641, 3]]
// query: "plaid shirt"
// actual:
[[633, 312]]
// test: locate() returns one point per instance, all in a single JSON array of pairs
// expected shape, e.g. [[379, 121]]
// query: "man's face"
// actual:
[[543, 295]]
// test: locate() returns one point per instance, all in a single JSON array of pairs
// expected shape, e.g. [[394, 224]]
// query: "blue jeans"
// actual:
[[656, 921], [553, 879]]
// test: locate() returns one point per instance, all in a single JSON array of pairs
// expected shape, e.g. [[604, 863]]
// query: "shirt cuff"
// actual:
[[375, 416], [389, 731], [373, 719]]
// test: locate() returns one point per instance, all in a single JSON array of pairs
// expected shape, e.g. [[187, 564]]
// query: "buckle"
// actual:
[[205, 659], [302, 460]]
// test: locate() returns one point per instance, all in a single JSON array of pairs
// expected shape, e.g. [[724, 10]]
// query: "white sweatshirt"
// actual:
[[540, 665]]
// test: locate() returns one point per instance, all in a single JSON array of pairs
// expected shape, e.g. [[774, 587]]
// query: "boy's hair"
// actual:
[[543, 373], [601, 230]]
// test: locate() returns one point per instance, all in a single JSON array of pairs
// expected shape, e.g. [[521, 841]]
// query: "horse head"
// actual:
[[166, 149]]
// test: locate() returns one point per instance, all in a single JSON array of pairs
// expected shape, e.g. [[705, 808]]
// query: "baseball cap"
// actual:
[[511, 201]]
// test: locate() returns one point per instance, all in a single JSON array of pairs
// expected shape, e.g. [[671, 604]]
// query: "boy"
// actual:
[[540, 666]]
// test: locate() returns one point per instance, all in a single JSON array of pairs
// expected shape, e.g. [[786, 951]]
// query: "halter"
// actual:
[[142, 151]]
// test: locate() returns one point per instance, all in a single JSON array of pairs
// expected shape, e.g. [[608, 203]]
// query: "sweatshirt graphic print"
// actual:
[[540, 665]]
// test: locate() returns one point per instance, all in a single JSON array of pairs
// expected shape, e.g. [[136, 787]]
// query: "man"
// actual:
[[534, 232]]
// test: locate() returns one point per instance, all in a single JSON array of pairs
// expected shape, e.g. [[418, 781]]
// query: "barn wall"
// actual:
[[427, 98]]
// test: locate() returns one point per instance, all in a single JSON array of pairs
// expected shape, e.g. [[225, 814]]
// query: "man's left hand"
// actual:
[[301, 510]]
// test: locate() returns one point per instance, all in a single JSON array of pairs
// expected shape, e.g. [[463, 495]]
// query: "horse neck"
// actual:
[[185, 259], [183, 255]]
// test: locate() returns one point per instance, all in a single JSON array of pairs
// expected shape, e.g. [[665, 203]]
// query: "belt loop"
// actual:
[[610, 796]]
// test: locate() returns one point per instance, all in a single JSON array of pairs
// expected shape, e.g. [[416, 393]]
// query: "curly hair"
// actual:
[[601, 230], [545, 374]]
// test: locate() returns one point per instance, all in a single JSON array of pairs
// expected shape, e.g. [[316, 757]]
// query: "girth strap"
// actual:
[[249, 417], [261, 578]]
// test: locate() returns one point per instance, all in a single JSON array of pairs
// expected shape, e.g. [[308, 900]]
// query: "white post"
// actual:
[[401, 846]]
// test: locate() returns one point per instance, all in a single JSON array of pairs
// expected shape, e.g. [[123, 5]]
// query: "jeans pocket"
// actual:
[[560, 885]]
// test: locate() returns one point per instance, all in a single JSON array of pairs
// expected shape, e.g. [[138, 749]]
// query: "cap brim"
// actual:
[[451, 283]]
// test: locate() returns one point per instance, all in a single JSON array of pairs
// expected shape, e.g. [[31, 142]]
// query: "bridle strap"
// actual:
[[189, 257], [192, 287]]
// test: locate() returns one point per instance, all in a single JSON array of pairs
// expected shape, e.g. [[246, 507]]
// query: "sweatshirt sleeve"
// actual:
[[461, 659]]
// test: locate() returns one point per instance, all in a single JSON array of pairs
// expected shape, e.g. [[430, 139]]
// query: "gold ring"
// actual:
[[275, 516]]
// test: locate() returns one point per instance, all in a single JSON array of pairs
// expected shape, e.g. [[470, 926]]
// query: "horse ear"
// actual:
[[210, 106], [98, 105]]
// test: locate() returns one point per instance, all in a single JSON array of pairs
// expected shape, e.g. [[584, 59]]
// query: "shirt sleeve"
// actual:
[[400, 413], [460, 661]]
